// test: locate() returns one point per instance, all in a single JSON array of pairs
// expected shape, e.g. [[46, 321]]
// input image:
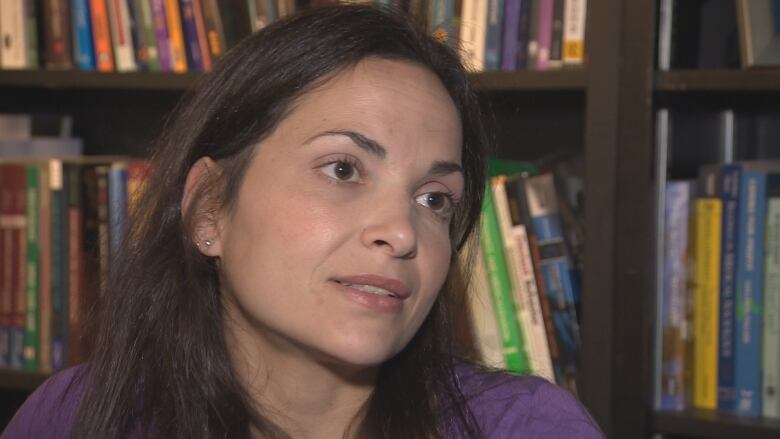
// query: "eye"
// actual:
[[342, 170], [441, 203]]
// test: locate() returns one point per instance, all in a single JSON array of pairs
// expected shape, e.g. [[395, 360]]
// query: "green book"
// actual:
[[145, 22], [501, 289], [32, 310]]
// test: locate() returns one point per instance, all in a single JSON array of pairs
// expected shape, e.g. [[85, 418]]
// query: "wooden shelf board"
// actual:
[[567, 79], [531, 80], [12, 379], [75, 79], [712, 425], [718, 80]]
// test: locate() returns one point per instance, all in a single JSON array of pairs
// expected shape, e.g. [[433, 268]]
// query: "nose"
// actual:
[[390, 226]]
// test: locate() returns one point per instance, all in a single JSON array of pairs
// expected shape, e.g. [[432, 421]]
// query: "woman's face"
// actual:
[[339, 241]]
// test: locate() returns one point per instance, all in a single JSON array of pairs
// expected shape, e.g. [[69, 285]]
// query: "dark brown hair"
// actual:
[[160, 366]]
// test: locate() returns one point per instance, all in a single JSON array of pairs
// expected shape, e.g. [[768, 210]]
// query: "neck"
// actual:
[[308, 397]]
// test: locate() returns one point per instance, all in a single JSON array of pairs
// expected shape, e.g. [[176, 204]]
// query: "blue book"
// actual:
[[440, 19], [194, 57], [493, 38], [82, 35], [729, 192], [749, 292], [524, 33], [117, 206]]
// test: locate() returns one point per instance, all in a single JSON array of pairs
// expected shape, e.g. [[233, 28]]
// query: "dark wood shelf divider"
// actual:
[[531, 80], [76, 79], [13, 379], [718, 80], [712, 425]]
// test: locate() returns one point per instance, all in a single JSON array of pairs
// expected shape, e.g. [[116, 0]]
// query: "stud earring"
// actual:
[[208, 242]]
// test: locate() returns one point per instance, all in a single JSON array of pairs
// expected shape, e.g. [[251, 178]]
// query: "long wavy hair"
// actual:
[[159, 364]]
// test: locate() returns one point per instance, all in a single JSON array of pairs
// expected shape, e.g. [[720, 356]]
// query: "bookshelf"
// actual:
[[604, 112]]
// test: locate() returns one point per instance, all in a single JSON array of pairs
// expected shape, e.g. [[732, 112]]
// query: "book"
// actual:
[[759, 42], [190, 33], [556, 37], [161, 37], [495, 11], [83, 46], [101, 36], [14, 34], [706, 285], [212, 22], [574, 32], [32, 315], [57, 52], [509, 41], [771, 330], [673, 294], [500, 289], [200, 29], [175, 36], [121, 36], [544, 19], [473, 22]]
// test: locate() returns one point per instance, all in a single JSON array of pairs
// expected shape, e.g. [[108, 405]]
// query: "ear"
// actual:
[[199, 201]]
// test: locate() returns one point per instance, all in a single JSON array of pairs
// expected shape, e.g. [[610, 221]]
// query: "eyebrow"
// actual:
[[438, 168]]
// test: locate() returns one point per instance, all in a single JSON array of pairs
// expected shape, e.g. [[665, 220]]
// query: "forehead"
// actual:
[[394, 101]]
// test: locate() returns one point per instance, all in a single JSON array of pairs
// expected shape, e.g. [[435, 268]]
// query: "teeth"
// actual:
[[370, 289]]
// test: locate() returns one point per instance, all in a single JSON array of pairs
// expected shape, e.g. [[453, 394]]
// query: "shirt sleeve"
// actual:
[[49, 411]]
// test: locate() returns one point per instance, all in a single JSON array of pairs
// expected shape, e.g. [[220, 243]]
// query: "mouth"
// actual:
[[376, 285]]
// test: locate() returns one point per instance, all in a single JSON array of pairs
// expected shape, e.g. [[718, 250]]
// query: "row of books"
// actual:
[[120, 35], [712, 34], [520, 34], [189, 35], [524, 293], [720, 290], [61, 222]]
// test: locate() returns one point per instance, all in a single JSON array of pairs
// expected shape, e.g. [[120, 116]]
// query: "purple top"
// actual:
[[504, 406]]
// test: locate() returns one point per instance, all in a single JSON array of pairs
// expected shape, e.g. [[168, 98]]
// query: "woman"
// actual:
[[292, 271]]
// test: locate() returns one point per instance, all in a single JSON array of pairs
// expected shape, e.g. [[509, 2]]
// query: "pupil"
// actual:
[[344, 170], [434, 201]]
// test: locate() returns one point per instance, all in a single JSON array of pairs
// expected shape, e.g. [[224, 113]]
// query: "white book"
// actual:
[[574, 31], [13, 35], [473, 30], [121, 35], [771, 330], [524, 291]]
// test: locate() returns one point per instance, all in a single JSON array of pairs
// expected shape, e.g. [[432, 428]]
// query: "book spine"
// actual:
[[674, 296], [76, 285], [32, 312], [709, 215], [472, 34], [483, 323], [574, 32], [524, 33], [117, 206], [749, 300], [726, 324], [556, 36], [544, 34], [203, 44], [146, 24], [101, 36], [18, 264], [161, 35], [83, 51], [190, 32], [771, 339], [121, 36], [528, 295], [493, 39], [176, 36], [58, 263], [6, 255], [138, 37], [44, 271], [13, 31], [500, 289], [509, 39], [103, 228], [57, 35], [215, 35], [555, 267]]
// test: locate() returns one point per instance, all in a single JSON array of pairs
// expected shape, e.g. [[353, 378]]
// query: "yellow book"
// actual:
[[176, 36], [706, 302]]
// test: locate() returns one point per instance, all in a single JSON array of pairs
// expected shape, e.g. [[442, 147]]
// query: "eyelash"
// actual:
[[353, 163]]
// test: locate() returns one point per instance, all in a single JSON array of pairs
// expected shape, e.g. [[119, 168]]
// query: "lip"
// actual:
[[395, 286]]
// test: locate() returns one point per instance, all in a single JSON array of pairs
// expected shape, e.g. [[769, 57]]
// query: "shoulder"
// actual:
[[49, 412], [523, 406]]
